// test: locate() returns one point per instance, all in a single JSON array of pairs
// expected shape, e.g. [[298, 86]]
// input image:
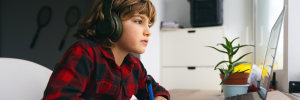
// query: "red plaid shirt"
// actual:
[[88, 71]]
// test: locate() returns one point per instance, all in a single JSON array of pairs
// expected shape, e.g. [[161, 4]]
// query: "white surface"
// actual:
[[204, 78], [180, 48], [296, 95], [293, 40], [267, 12], [22, 79], [291, 49], [237, 19]]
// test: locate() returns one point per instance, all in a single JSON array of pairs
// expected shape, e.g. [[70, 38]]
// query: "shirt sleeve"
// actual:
[[142, 90], [69, 77]]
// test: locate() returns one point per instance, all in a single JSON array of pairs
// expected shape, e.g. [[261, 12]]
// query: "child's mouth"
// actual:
[[145, 41]]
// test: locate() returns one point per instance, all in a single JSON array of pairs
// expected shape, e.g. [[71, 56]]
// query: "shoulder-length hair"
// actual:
[[125, 9]]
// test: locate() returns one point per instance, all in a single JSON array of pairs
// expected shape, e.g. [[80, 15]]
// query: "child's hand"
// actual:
[[160, 98]]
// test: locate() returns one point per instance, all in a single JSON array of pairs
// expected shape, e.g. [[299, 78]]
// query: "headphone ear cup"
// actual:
[[105, 27], [118, 27]]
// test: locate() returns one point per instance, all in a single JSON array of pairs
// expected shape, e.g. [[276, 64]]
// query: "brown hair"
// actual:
[[125, 9]]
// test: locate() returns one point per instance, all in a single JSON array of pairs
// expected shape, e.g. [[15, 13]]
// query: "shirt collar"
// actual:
[[107, 52]]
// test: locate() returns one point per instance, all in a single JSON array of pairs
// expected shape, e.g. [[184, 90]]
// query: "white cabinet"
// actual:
[[205, 78], [185, 48]]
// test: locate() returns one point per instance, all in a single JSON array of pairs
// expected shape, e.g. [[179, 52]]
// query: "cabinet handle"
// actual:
[[191, 67], [191, 31]]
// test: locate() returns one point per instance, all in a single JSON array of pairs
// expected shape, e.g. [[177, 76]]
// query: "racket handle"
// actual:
[[64, 38], [33, 41], [61, 45], [35, 38]]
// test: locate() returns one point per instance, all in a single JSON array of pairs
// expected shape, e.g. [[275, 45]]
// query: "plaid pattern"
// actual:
[[89, 72]]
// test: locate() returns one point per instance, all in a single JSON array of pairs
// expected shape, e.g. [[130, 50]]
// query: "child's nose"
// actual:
[[147, 32]]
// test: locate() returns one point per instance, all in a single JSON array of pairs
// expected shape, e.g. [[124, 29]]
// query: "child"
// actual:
[[100, 66]]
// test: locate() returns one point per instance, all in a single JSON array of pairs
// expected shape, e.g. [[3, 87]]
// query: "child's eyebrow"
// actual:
[[139, 16]]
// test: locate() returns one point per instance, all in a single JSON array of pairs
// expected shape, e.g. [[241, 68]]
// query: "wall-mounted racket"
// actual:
[[43, 19], [71, 20]]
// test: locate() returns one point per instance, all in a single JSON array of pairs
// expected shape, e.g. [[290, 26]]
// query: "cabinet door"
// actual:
[[204, 78], [186, 47]]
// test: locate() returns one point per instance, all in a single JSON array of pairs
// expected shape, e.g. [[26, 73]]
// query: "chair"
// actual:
[[22, 79]]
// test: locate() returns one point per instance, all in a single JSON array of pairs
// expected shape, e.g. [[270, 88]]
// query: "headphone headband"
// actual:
[[106, 8]]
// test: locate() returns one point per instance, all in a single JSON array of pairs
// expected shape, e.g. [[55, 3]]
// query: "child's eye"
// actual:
[[149, 25], [138, 21]]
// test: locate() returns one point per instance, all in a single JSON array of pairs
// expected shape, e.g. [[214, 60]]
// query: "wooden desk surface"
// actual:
[[189, 94], [193, 94]]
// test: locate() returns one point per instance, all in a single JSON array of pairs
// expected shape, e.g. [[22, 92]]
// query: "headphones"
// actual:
[[111, 26]]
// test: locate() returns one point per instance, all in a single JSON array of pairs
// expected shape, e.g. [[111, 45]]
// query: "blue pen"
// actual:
[[149, 87]]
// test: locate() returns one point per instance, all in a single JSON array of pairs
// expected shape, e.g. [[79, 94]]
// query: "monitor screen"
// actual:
[[270, 55]]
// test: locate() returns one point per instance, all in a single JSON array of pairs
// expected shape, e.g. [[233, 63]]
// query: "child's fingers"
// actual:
[[159, 98]]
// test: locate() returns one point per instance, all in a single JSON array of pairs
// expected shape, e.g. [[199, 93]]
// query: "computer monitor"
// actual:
[[270, 55]]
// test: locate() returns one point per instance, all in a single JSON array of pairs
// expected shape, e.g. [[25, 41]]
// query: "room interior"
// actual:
[[251, 20]]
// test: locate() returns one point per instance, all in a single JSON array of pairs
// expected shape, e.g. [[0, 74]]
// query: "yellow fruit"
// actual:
[[242, 67], [264, 73], [260, 66]]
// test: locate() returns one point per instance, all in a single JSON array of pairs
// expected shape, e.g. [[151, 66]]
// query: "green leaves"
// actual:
[[241, 57], [217, 49], [242, 71], [221, 70], [227, 42], [242, 46], [226, 72], [235, 51], [225, 46], [230, 68], [238, 63], [230, 51], [233, 40], [220, 63]]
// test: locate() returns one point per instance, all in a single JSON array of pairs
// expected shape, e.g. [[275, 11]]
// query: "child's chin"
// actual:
[[140, 52]]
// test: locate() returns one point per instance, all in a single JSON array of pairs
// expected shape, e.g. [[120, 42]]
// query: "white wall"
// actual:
[[177, 10], [238, 23], [19, 25], [237, 20], [267, 12], [282, 75], [0, 27], [151, 58], [293, 40], [291, 47]]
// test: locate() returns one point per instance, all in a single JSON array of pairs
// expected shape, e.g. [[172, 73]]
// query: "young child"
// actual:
[[101, 66]]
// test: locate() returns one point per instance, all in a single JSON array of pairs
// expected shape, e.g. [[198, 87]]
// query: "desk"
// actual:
[[190, 94]]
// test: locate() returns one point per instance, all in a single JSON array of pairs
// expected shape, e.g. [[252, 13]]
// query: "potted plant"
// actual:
[[231, 78]]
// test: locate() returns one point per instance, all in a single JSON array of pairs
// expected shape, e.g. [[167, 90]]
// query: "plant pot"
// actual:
[[236, 79], [233, 90]]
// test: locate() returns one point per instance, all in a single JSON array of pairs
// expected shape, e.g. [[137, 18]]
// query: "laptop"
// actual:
[[268, 64]]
